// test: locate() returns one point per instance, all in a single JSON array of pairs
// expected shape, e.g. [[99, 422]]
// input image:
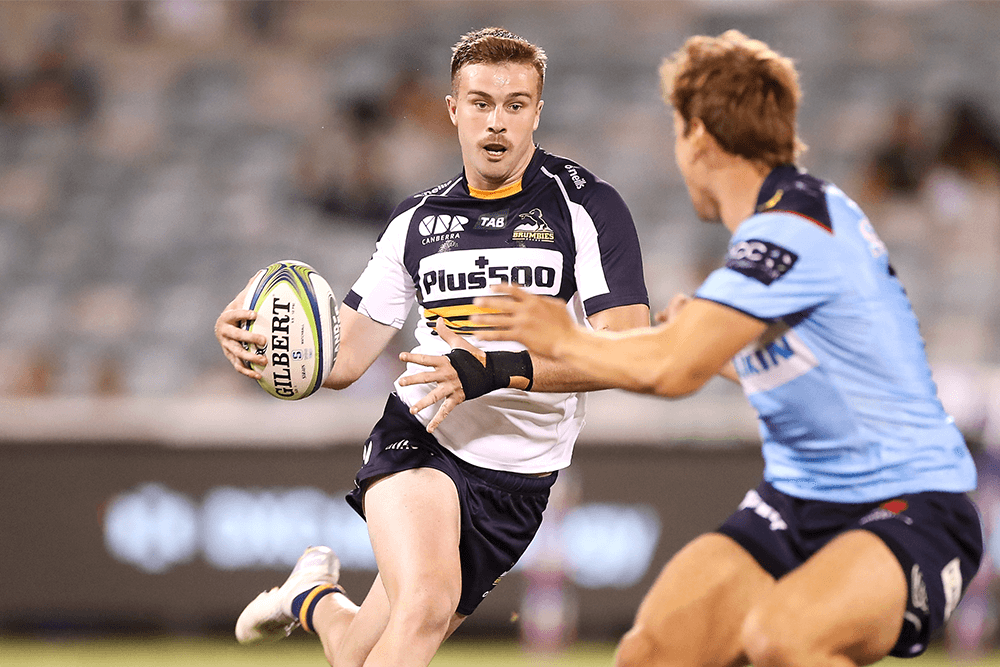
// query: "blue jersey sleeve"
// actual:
[[779, 264]]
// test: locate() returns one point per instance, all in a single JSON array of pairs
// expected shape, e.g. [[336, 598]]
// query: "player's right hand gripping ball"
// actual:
[[297, 313]]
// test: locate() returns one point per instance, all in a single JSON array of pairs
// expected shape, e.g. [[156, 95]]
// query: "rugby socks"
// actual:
[[304, 604]]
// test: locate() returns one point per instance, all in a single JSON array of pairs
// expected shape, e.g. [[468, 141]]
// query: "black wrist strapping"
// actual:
[[477, 379]]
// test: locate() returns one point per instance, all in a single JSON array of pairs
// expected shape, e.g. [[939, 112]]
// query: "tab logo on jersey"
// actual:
[[497, 220], [469, 273], [761, 260], [532, 227], [763, 367]]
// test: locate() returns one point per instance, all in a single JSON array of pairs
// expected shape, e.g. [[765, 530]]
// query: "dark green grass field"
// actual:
[[216, 652]]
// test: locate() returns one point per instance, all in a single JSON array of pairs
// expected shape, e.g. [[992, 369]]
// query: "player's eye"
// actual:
[[516, 106], [480, 105]]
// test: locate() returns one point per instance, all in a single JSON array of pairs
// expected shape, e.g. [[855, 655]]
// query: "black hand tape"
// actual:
[[477, 379]]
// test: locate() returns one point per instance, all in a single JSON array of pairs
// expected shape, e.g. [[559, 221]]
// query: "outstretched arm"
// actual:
[[669, 314], [671, 360], [552, 375], [548, 375]]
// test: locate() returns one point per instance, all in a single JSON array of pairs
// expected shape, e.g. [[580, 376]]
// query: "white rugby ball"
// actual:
[[297, 313]]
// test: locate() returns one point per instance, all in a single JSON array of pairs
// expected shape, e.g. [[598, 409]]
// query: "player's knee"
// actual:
[[768, 642], [425, 612], [639, 648]]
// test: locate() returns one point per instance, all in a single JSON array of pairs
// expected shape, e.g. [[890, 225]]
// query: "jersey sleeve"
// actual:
[[778, 264], [385, 292], [608, 268]]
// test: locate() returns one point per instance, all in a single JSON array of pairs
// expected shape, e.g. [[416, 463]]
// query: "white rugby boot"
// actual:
[[269, 617]]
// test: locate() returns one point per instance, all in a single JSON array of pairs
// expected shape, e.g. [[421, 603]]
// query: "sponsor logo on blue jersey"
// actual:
[[764, 366], [761, 260]]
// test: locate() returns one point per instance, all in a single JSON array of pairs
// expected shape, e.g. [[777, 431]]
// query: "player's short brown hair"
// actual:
[[746, 94], [495, 46]]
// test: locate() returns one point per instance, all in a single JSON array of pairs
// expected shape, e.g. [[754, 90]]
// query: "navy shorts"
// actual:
[[501, 511], [935, 536]]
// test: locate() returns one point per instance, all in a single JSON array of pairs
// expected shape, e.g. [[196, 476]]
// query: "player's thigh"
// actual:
[[414, 523], [847, 599], [695, 610]]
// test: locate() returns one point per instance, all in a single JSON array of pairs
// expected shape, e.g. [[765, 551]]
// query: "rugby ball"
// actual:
[[297, 313]]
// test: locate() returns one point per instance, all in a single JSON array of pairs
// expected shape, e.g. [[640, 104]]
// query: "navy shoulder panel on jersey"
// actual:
[[578, 181], [416, 199], [788, 189]]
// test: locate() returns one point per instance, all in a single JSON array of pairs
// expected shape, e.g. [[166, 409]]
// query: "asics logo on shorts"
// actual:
[[754, 502]]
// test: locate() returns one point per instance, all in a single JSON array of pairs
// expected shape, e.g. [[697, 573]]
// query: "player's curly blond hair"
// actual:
[[493, 46], [746, 94]]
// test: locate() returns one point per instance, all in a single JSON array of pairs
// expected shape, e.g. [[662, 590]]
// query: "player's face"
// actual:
[[496, 110], [691, 160]]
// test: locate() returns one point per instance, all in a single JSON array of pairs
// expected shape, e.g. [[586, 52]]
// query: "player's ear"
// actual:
[[538, 114], [697, 133], [702, 140], [452, 104]]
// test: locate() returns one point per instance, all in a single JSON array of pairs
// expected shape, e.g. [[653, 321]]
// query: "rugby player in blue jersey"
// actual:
[[452, 504], [860, 540]]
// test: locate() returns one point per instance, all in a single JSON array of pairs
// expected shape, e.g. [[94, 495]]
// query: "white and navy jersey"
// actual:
[[561, 232], [848, 410]]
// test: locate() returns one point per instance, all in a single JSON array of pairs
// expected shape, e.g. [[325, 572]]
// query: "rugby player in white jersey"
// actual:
[[452, 504], [860, 540]]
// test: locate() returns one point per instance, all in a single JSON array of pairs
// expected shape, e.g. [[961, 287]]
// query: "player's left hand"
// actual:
[[540, 323], [442, 373]]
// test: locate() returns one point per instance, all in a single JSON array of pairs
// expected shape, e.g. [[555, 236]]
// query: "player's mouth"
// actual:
[[495, 150]]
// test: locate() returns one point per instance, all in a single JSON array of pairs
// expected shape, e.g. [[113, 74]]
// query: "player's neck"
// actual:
[[737, 185]]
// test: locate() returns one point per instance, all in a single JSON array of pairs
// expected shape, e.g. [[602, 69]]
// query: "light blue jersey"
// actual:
[[848, 410]]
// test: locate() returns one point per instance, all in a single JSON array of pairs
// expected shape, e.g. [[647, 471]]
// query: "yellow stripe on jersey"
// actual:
[[499, 193], [457, 317]]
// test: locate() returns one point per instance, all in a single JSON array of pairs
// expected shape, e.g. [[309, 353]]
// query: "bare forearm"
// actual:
[[557, 376], [361, 341], [638, 360]]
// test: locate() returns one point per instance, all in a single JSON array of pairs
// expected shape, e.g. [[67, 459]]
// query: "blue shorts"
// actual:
[[936, 537], [501, 511]]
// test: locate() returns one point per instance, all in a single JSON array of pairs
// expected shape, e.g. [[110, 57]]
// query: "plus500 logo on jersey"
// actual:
[[468, 273]]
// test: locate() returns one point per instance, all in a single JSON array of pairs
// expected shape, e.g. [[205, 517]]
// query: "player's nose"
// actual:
[[497, 122]]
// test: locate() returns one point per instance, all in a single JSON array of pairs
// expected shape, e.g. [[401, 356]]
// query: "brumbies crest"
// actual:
[[531, 226]]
